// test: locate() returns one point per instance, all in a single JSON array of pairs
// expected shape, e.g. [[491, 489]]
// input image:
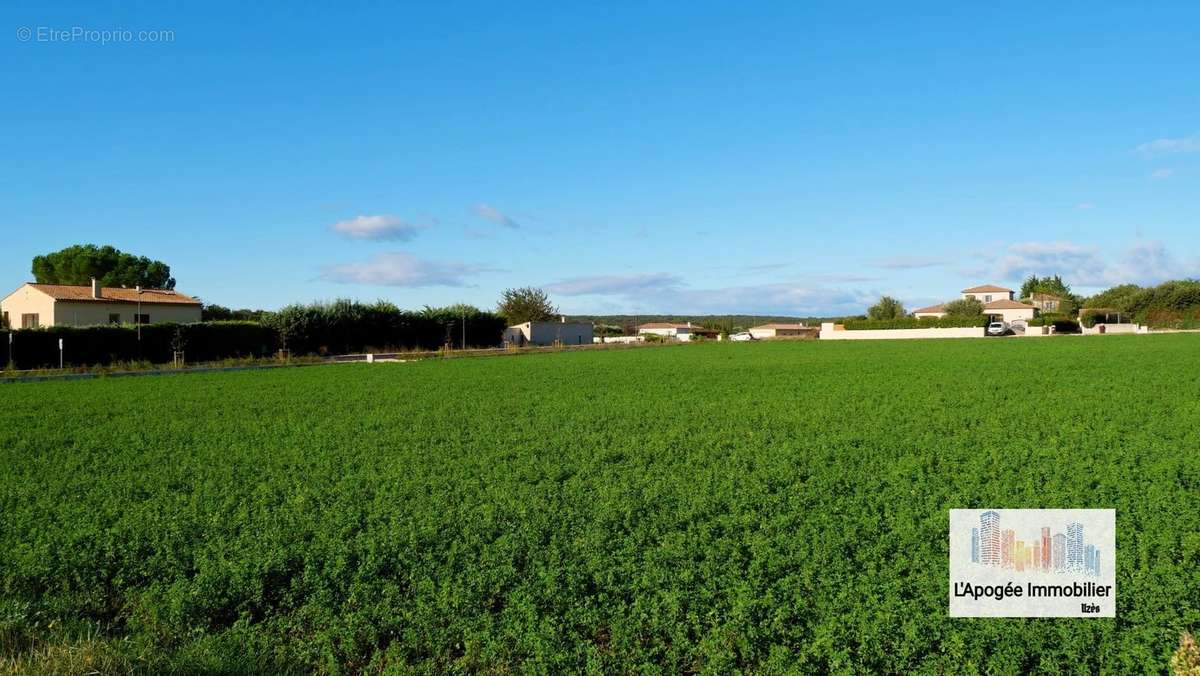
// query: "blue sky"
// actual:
[[688, 157]]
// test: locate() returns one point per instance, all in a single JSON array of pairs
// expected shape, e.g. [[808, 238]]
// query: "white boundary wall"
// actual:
[[618, 339], [1112, 328], [829, 333]]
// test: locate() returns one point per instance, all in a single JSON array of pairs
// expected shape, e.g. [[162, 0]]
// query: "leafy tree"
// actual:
[[886, 308], [1055, 286], [964, 307], [526, 304], [78, 264], [1119, 297]]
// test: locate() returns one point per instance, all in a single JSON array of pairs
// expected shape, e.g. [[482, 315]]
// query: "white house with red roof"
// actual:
[[35, 305], [997, 302]]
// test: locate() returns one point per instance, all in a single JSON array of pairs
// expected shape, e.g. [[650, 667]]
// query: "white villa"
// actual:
[[997, 301], [673, 331]]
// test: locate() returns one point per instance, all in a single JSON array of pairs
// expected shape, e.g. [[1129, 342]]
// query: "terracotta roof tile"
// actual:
[[986, 288], [1007, 305], [115, 295]]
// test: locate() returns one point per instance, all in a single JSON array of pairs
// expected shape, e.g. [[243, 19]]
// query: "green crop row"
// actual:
[[766, 507]]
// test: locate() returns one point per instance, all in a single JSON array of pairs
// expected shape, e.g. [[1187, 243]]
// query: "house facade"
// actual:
[[1045, 302], [779, 330], [988, 293], [37, 305], [997, 302], [549, 333], [1008, 311]]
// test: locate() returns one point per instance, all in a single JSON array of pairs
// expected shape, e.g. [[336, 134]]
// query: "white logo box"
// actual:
[[1033, 563]]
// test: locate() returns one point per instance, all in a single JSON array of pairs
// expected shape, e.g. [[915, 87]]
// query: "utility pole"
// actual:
[[464, 318]]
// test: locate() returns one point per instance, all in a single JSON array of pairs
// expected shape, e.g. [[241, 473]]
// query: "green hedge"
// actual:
[[947, 322], [344, 327], [104, 344], [1060, 322], [341, 327]]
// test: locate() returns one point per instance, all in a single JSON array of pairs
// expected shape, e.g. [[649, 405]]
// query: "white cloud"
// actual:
[[380, 227], [491, 213], [614, 284], [768, 299], [401, 269], [1161, 174], [664, 292], [908, 262], [1086, 266], [1171, 146]]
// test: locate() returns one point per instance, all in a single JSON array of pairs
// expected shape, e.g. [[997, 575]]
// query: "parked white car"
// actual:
[[997, 329], [739, 337]]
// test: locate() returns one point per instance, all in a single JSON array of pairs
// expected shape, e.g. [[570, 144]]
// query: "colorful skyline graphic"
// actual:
[[993, 545]]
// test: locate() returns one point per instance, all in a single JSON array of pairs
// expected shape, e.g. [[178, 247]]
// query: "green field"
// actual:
[[714, 507]]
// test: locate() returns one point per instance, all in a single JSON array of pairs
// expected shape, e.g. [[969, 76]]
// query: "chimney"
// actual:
[[95, 288], [689, 325]]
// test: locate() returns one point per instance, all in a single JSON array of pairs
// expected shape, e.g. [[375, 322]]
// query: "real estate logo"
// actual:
[[1032, 563]]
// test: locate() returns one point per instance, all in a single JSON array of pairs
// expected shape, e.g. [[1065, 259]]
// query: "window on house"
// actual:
[[114, 318], [987, 298], [141, 319], [4, 320], [29, 321]]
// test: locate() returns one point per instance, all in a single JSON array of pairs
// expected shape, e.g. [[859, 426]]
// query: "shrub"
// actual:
[[1060, 322], [1172, 319], [1186, 660], [965, 307]]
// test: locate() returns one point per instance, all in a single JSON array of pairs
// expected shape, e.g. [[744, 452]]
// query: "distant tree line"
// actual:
[[220, 313]]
